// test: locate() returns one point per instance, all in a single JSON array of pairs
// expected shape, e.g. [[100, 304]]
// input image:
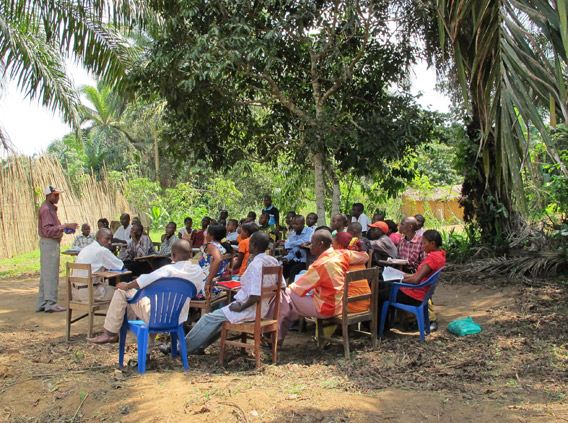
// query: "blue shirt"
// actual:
[[293, 244]]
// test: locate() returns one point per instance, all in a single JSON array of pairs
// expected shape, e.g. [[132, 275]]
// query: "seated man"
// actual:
[[122, 234], [140, 245], [243, 309], [420, 220], [383, 247], [323, 282], [264, 226], [181, 267], [84, 238], [410, 246], [168, 240], [99, 256], [295, 260]]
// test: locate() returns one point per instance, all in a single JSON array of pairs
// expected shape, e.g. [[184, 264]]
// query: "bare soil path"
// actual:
[[516, 370]]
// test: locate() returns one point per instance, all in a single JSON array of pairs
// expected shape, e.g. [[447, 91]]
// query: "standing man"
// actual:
[[358, 216], [273, 213], [50, 231]]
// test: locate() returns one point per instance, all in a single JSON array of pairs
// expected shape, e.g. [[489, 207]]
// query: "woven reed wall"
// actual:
[[22, 182]]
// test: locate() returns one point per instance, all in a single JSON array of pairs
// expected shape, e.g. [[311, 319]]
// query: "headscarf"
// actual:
[[348, 241]]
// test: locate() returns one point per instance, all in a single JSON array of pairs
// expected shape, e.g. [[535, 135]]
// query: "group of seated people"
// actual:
[[315, 260]]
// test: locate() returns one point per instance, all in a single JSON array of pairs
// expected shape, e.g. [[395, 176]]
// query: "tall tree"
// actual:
[[313, 80], [510, 59], [37, 35]]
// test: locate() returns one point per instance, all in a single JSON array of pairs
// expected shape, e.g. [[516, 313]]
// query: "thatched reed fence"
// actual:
[[22, 182]]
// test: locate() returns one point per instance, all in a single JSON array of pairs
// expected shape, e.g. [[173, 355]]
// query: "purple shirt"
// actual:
[[49, 225]]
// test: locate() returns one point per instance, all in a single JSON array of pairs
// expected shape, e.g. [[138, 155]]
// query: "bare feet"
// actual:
[[104, 339]]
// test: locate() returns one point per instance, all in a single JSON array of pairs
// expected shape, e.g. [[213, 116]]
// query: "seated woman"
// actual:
[[434, 261], [211, 261]]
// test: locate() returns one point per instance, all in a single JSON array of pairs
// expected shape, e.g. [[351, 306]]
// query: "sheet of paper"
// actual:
[[392, 274]]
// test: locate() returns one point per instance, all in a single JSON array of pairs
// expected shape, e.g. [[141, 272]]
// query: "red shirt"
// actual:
[[435, 260], [411, 251], [198, 237], [49, 225], [395, 237]]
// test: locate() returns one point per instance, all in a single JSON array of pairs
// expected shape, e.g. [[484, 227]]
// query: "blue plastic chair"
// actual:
[[421, 311], [167, 297]]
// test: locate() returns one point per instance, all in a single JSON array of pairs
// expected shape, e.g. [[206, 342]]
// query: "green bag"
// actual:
[[463, 327]]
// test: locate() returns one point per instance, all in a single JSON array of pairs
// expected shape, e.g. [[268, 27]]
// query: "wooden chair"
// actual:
[[346, 319], [258, 327], [206, 304], [89, 308], [156, 245], [370, 261]]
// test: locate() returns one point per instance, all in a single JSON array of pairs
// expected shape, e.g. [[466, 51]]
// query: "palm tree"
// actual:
[[510, 57], [37, 35]]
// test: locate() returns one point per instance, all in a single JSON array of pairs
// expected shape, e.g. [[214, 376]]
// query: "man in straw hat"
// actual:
[[50, 231]]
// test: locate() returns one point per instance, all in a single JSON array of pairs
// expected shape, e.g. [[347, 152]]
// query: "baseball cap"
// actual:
[[52, 189], [381, 225]]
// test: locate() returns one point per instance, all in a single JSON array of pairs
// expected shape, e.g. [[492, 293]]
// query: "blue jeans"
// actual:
[[206, 331]]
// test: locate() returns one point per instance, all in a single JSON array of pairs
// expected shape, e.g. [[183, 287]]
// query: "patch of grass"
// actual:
[[27, 263]]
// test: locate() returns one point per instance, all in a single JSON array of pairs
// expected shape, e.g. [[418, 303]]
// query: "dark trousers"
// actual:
[[162, 262], [291, 269], [401, 297], [137, 268]]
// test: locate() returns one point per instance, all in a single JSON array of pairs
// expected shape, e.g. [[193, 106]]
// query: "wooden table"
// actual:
[[108, 275], [230, 291], [150, 259]]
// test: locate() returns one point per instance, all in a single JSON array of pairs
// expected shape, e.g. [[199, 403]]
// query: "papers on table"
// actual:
[[397, 261], [392, 274]]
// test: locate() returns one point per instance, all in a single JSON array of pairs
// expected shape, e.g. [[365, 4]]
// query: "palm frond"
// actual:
[[37, 67], [505, 73]]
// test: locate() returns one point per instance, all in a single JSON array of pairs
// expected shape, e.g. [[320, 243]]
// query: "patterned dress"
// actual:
[[205, 264]]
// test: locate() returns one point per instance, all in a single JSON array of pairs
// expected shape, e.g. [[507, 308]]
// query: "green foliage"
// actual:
[[279, 83], [461, 245]]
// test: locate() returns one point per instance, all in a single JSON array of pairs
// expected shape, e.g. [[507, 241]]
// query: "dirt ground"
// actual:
[[515, 370]]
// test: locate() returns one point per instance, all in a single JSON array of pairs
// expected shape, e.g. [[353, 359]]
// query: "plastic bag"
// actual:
[[463, 327]]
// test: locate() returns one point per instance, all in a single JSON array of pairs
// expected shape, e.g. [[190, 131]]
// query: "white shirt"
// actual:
[[363, 220], [251, 284], [182, 269], [99, 257], [122, 233], [232, 236]]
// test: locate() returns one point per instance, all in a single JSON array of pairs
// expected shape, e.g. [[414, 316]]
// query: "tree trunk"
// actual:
[[320, 187], [336, 194], [156, 156]]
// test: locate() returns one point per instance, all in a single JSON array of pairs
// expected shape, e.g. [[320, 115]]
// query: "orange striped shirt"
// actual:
[[326, 277]]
